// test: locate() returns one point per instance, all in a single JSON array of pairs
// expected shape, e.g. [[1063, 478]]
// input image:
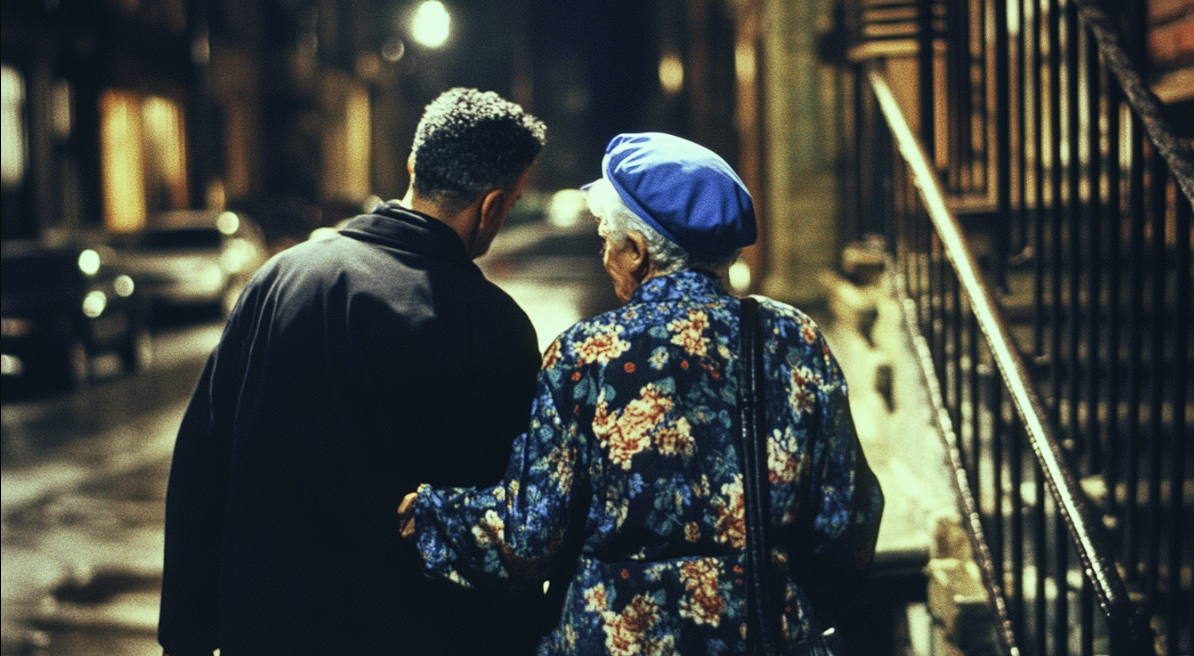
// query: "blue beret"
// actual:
[[685, 191]]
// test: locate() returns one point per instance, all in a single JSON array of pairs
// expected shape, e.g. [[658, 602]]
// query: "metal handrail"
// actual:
[[1085, 532]]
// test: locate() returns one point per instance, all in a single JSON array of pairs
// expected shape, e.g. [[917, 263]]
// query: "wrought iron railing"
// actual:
[[1039, 210]]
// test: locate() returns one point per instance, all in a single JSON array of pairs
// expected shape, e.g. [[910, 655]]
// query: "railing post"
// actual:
[[1003, 143], [926, 35]]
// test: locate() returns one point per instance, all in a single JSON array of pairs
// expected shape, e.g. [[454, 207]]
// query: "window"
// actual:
[[347, 136], [12, 127], [143, 147]]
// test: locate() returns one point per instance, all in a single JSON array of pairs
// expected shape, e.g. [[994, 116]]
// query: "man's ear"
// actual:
[[491, 208]]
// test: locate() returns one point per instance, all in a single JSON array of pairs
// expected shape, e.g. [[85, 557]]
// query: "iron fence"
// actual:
[[1039, 211]]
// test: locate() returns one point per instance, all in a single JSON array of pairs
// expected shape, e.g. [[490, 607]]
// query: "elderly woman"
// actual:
[[628, 474]]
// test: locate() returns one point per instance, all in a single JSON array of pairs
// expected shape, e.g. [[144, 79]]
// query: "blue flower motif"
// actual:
[[636, 484]]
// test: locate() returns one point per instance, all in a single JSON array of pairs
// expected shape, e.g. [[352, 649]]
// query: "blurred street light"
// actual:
[[566, 207], [671, 73], [393, 50], [430, 24], [739, 275]]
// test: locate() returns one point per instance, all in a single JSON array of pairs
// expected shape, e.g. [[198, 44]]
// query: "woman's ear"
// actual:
[[638, 255]]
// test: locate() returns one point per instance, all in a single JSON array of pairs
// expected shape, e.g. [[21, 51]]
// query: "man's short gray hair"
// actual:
[[470, 142], [615, 220]]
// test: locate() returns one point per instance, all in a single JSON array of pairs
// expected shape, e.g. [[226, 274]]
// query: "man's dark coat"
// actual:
[[352, 369]]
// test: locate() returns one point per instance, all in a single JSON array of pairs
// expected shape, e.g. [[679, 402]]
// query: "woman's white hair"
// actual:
[[615, 221]]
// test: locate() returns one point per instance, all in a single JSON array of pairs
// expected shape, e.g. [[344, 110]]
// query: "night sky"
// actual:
[[592, 67]]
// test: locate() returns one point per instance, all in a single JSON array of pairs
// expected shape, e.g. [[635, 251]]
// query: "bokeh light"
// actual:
[[431, 24]]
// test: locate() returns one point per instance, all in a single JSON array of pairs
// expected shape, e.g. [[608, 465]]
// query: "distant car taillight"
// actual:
[[15, 326]]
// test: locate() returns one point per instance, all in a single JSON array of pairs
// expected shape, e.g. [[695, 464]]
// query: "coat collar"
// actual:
[[681, 285], [395, 226]]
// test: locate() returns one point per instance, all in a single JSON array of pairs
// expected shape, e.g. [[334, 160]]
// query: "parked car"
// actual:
[[60, 307], [195, 258]]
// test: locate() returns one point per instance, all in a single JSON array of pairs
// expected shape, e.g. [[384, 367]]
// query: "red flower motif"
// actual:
[[628, 367], [706, 605]]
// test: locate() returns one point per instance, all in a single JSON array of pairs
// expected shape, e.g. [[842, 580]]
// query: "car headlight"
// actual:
[[237, 255], [228, 223], [123, 285], [11, 365], [94, 303], [89, 262], [15, 326], [212, 277]]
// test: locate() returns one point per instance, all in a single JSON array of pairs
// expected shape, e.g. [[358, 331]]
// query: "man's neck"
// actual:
[[462, 222]]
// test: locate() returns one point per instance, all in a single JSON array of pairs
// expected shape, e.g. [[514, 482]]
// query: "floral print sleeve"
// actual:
[[631, 452], [843, 496]]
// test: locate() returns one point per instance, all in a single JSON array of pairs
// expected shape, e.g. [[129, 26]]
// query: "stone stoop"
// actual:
[[962, 622]]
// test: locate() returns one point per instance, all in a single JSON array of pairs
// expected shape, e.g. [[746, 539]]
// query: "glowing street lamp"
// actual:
[[430, 24]]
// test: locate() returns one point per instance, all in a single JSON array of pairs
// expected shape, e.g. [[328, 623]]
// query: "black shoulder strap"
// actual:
[[763, 635]]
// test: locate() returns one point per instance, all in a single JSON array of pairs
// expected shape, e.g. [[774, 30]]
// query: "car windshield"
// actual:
[[181, 238]]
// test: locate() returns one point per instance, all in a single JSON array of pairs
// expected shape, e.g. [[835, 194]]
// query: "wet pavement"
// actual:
[[84, 479], [554, 273]]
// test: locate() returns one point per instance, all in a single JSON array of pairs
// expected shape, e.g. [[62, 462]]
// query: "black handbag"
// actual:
[[764, 635]]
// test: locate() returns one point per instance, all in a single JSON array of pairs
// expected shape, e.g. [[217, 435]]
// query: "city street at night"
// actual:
[[84, 477], [985, 206]]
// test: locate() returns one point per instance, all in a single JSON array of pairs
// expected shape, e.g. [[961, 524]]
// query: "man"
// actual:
[[352, 369]]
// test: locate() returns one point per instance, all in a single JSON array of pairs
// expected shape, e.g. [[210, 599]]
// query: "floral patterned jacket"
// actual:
[[629, 469]]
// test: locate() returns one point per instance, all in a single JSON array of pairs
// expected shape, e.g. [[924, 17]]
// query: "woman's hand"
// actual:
[[406, 515]]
